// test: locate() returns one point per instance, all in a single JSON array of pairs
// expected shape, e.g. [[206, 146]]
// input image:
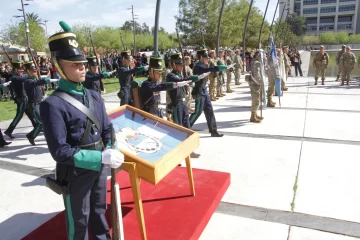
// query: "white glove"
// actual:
[[204, 75], [181, 84], [146, 67], [54, 80], [113, 158], [6, 84]]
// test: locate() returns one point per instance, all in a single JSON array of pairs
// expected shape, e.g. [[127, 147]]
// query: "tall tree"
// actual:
[[297, 24], [33, 17]]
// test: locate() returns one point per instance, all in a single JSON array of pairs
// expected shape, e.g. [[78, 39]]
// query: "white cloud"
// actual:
[[57, 5]]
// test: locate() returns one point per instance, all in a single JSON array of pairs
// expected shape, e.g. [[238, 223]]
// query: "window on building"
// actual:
[[346, 8], [311, 21], [328, 1], [345, 19], [311, 28], [311, 2], [344, 27], [347, 0], [327, 20], [327, 9], [326, 28], [310, 10]]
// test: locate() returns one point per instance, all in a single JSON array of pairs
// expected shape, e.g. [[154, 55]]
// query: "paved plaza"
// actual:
[[293, 177]]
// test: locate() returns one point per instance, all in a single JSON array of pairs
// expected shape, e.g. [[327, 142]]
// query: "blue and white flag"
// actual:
[[273, 55]]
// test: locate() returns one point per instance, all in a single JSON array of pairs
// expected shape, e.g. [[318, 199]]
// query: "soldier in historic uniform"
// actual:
[[238, 66], [180, 112], [255, 83], [79, 142], [17, 84], [32, 86], [338, 56], [200, 94], [125, 77], [229, 61], [320, 62], [93, 77], [189, 72], [347, 63], [168, 99], [151, 88], [221, 76], [3, 143], [213, 76]]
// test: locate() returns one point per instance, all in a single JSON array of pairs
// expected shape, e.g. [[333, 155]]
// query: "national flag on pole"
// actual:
[[276, 65]]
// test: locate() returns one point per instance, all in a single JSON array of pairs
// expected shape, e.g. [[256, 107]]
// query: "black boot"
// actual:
[[9, 134], [216, 134], [3, 143], [31, 140]]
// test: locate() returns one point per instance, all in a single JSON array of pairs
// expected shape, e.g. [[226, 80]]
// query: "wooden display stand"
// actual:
[[153, 173]]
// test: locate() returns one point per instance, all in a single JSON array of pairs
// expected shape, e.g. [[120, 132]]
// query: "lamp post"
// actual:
[[133, 20], [156, 30], [45, 21], [25, 22]]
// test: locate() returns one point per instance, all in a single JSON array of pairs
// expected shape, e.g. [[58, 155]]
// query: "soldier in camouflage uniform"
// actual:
[[221, 76], [271, 74], [338, 56], [238, 66], [213, 76], [168, 100], [287, 67], [229, 61], [320, 62], [347, 63], [254, 83], [189, 88]]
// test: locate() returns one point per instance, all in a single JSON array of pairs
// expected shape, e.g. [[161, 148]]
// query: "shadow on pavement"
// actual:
[[233, 109], [221, 125], [38, 181], [18, 151], [22, 224]]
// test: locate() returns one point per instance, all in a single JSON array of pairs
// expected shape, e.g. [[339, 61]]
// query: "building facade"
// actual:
[[325, 15]]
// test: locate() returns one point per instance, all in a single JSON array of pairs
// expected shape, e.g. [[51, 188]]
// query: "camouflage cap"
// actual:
[[348, 47], [187, 58], [237, 50], [321, 46], [343, 46], [212, 51]]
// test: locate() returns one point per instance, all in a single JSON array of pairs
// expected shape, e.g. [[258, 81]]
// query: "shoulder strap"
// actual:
[[66, 97]]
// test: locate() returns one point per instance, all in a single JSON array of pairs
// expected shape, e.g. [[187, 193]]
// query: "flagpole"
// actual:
[[218, 29], [244, 35]]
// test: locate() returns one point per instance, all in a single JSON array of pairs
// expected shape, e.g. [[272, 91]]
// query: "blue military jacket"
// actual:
[[64, 126], [92, 81], [33, 89], [150, 95], [177, 94], [17, 84], [200, 86], [125, 76]]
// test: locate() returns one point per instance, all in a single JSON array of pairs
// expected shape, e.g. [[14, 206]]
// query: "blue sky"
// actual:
[[102, 12]]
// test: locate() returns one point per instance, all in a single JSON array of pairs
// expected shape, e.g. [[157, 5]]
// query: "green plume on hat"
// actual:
[[158, 54], [30, 59], [65, 26], [92, 54], [204, 47]]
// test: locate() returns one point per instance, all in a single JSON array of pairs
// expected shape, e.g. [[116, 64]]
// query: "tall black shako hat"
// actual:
[[126, 55], [156, 63], [202, 52], [17, 64], [63, 46], [30, 66], [91, 59], [176, 58]]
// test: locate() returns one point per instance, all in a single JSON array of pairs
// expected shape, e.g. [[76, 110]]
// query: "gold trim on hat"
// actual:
[[84, 61], [60, 36]]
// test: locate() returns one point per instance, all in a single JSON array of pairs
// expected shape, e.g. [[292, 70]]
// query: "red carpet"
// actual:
[[170, 211]]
